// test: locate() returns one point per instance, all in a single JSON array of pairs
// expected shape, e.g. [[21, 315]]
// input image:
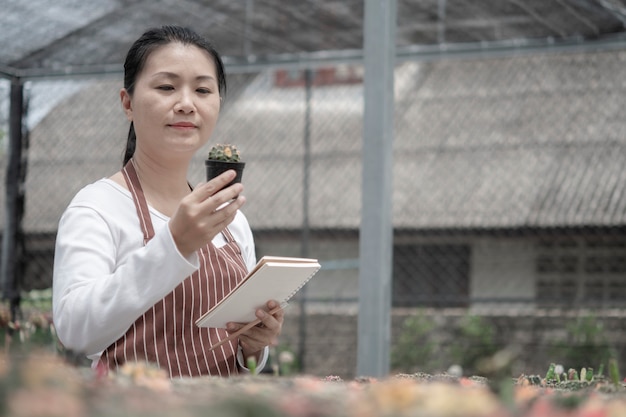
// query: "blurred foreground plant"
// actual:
[[33, 327]]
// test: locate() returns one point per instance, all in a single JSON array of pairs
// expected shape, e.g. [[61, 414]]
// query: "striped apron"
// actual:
[[166, 334]]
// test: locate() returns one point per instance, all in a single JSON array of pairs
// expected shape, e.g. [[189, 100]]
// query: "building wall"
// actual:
[[327, 333], [331, 339], [500, 268], [338, 280], [508, 273]]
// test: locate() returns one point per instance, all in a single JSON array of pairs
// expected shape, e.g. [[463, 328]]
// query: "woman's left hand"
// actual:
[[266, 333]]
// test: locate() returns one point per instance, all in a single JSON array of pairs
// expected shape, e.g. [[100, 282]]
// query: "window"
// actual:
[[581, 273], [431, 275]]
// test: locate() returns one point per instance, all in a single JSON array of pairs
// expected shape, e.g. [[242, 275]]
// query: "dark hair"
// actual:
[[148, 43]]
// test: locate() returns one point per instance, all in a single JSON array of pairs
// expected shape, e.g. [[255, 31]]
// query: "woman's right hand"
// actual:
[[205, 212]]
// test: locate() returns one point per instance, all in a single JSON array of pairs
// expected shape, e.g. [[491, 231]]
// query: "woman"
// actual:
[[141, 255]]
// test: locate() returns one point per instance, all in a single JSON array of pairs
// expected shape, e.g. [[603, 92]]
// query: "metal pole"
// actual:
[[12, 238], [306, 228], [441, 22], [376, 232], [247, 49]]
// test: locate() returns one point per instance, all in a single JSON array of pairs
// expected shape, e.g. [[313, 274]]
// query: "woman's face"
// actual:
[[176, 101]]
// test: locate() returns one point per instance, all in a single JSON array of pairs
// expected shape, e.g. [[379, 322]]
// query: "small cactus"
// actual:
[[550, 375], [614, 371], [226, 153]]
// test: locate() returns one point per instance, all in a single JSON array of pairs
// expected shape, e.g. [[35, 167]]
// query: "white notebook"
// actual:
[[273, 278]]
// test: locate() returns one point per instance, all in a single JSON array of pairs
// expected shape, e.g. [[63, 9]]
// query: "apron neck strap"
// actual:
[[134, 186]]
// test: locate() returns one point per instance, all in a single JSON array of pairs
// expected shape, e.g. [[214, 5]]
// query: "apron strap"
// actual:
[[227, 235], [134, 186]]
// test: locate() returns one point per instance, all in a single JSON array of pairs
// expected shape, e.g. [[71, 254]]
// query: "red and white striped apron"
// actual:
[[166, 334]]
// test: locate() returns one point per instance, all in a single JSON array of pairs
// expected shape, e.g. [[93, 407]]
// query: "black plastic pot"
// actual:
[[215, 168]]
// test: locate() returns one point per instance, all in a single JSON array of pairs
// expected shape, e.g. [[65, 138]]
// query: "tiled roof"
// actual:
[[527, 141]]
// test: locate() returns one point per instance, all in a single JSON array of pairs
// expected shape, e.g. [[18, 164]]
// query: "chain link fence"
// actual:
[[508, 200]]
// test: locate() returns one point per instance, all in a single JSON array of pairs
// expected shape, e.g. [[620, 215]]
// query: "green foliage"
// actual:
[[614, 372], [38, 300], [244, 406], [414, 349], [585, 344], [550, 375], [567, 401], [32, 327], [475, 340], [251, 364], [226, 153], [26, 336]]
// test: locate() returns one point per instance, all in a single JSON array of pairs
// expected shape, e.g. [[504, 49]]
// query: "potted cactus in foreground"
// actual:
[[223, 157]]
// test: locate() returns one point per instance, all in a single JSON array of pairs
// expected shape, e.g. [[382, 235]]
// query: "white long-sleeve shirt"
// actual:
[[105, 277]]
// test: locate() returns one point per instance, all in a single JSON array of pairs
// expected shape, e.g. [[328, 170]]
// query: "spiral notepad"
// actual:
[[273, 278]]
